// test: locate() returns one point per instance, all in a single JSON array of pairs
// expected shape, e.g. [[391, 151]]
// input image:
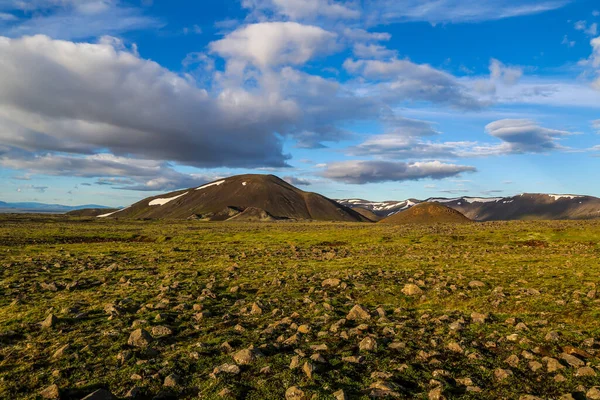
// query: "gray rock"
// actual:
[[139, 338], [368, 344], [294, 393], [358, 313], [51, 392], [49, 322]]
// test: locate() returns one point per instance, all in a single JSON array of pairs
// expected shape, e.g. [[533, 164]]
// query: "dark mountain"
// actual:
[[267, 196], [522, 207], [426, 213]]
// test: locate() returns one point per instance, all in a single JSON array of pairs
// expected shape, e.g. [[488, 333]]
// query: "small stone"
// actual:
[[535, 366], [139, 338], [230, 369], [171, 381], [367, 344], [358, 312], [476, 284], [552, 364], [62, 351], [340, 395], [560, 378], [246, 356], [161, 331], [455, 347], [411, 289], [225, 393], [585, 371], [308, 369], [502, 374], [51, 392], [256, 310], [572, 360], [593, 393], [333, 282], [513, 361], [478, 318], [294, 393], [49, 322], [552, 336], [436, 394], [295, 363], [304, 329], [353, 359]]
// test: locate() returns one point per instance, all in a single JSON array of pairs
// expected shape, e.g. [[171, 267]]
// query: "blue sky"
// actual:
[[108, 101]]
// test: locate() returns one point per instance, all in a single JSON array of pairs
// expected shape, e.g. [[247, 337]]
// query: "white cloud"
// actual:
[[596, 126], [63, 96], [361, 35], [591, 29], [7, 17], [361, 172], [508, 75], [403, 80], [525, 136], [376, 51], [596, 13], [305, 9], [456, 11], [75, 19], [145, 175], [566, 41], [271, 44], [292, 180]]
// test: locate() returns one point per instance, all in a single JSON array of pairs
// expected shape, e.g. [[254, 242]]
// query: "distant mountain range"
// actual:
[[30, 207], [269, 198], [521, 207]]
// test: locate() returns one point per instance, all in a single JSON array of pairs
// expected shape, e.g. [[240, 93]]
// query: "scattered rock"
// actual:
[[332, 282], [359, 313], [585, 371], [411, 289], [256, 310], [49, 322], [340, 395], [455, 347], [476, 284], [593, 393], [572, 360], [502, 374], [51, 392], [140, 338], [308, 369], [478, 318], [230, 369], [161, 331], [294, 393], [246, 356], [367, 344], [172, 381]]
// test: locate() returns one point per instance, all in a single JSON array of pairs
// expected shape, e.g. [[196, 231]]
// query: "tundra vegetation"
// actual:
[[189, 309]]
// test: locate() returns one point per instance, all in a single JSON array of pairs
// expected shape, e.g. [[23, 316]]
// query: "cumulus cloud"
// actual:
[[596, 126], [372, 50], [271, 44], [590, 30], [525, 136], [361, 172], [405, 80], [64, 96], [292, 180]]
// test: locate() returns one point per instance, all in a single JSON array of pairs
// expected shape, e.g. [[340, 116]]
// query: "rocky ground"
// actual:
[[186, 310]]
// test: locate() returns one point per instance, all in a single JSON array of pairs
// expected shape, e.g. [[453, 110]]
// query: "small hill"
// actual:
[[91, 212], [427, 213], [253, 214], [226, 198], [367, 214]]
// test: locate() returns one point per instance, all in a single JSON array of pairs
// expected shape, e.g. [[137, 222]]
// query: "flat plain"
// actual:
[[188, 309]]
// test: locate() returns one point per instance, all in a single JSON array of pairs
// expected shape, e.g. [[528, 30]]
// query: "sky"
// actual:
[[112, 101]]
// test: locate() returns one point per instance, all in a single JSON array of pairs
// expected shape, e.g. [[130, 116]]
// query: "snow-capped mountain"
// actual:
[[523, 206]]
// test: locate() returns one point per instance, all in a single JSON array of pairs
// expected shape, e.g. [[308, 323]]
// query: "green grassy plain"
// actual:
[[200, 280]]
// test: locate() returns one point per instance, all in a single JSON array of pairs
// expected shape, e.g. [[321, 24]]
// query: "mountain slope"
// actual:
[[426, 213], [275, 197], [521, 207]]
